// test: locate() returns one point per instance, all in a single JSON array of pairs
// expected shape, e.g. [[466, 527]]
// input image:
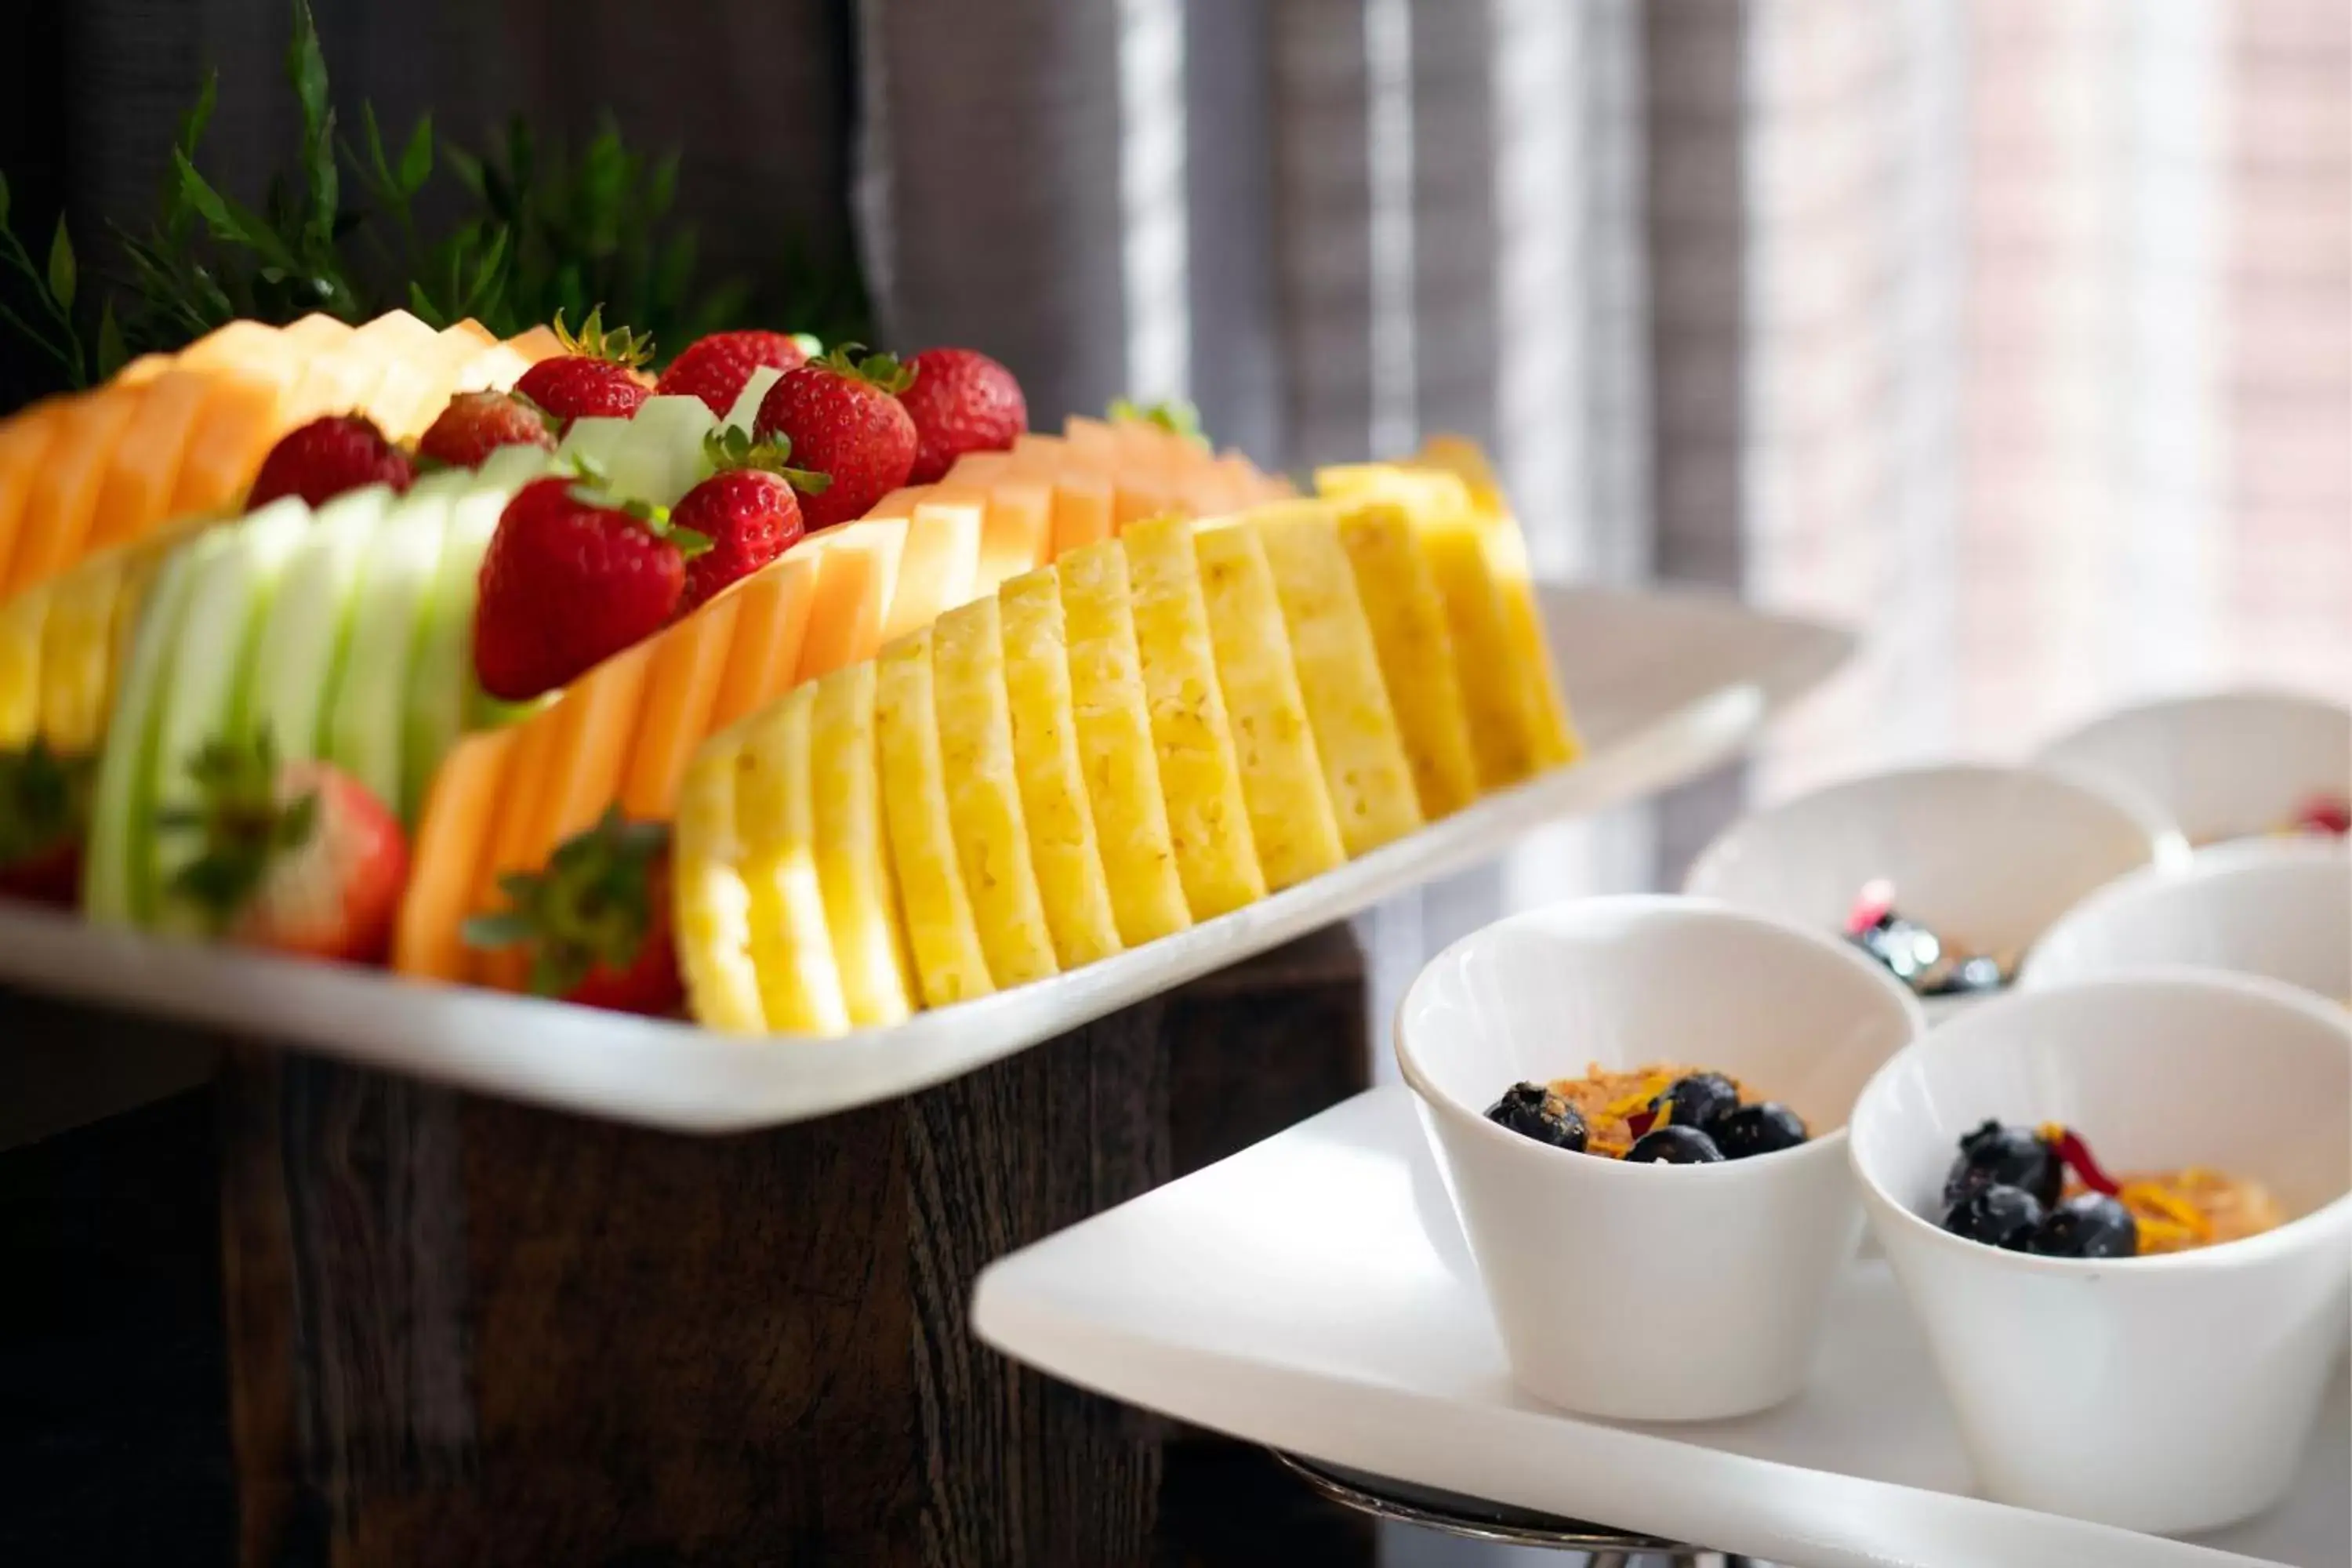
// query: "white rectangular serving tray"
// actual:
[[1663, 685], [1314, 1293]]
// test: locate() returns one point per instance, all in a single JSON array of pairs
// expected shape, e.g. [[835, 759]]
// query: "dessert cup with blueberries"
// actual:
[[1637, 1106], [2118, 1212]]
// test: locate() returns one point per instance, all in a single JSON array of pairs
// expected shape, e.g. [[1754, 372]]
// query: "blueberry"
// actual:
[[2012, 1156], [1531, 1110], [1697, 1099], [2089, 1224], [1673, 1145], [1748, 1130], [1995, 1214]]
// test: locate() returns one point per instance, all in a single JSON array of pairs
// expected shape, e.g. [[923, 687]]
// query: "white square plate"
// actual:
[[1314, 1293]]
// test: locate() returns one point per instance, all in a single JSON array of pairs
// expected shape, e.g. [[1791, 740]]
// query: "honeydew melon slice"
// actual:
[[665, 451], [300, 642], [595, 441], [123, 805], [443, 695], [203, 691], [746, 412], [365, 712]]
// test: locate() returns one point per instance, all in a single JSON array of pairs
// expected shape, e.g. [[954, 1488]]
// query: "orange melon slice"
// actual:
[[241, 420], [941, 560], [682, 676], [1016, 534], [136, 492], [772, 621], [24, 444], [858, 572], [452, 838], [58, 509]]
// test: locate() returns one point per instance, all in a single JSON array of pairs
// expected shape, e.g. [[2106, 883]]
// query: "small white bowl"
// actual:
[[2228, 765], [1984, 856], [1651, 1292], [2170, 1394], [2282, 909]]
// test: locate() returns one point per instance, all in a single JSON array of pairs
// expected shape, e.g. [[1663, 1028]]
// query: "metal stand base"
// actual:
[[1483, 1521]]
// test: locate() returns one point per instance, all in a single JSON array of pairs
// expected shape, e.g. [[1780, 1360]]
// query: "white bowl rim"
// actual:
[[2168, 843], [2231, 858], [2212, 697], [1417, 1078], [2296, 1234]]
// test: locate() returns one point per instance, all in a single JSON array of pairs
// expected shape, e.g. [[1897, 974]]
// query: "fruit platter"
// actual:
[[786, 730]]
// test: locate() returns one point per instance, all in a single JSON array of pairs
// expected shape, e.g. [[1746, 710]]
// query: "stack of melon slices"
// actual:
[[183, 435], [1158, 728]]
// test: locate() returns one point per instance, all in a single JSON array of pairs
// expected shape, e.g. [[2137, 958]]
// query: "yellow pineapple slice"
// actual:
[[1062, 842], [1496, 689], [775, 822], [951, 965], [1399, 590], [1112, 719], [1290, 814], [22, 620], [984, 794], [1200, 777], [1372, 785], [853, 851], [711, 905], [77, 654]]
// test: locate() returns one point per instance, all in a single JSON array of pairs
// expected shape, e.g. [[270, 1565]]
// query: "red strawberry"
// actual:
[[322, 459], [477, 423], [962, 401], [44, 813], [716, 368], [297, 857], [841, 416], [571, 578], [746, 509], [596, 376], [596, 923]]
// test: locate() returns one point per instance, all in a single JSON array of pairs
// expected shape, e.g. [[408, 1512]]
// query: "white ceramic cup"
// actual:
[[2169, 1393], [2224, 765], [1651, 1292], [2278, 908], [1985, 856]]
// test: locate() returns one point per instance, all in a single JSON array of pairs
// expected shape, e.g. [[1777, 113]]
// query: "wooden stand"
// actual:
[[465, 1332]]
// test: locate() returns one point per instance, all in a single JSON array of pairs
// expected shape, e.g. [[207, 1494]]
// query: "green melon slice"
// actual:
[[366, 711], [123, 803], [442, 690], [301, 641]]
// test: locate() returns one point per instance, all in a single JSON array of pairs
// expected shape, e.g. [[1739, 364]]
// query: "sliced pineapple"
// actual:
[[950, 963], [1062, 842], [711, 905], [775, 822], [78, 653], [853, 851], [1200, 777], [24, 620], [1399, 590], [1290, 815], [1496, 689], [984, 794], [1113, 725]]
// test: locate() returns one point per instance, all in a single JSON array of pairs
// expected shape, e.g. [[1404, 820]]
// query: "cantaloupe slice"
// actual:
[[1082, 509], [78, 653], [1407, 615], [594, 722], [342, 380], [317, 333], [538, 343], [772, 620], [1091, 440], [143, 469], [24, 444], [453, 837], [236, 345], [1371, 784], [1062, 844], [512, 843], [141, 371], [950, 963], [984, 785], [1496, 689], [404, 406], [853, 852], [1200, 775], [941, 564], [55, 531], [242, 419], [23, 622], [1290, 814], [495, 369], [856, 574], [775, 823], [1113, 723], [682, 677], [1139, 495], [712, 906]]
